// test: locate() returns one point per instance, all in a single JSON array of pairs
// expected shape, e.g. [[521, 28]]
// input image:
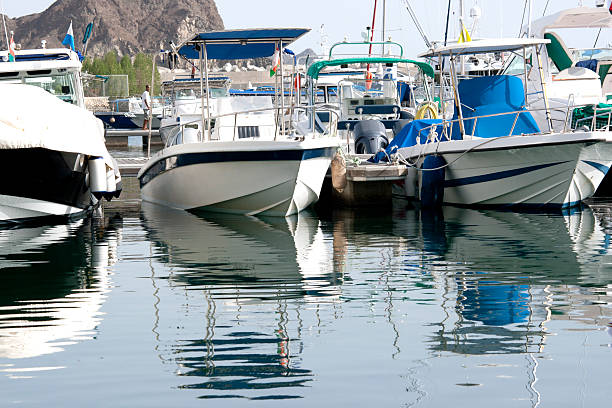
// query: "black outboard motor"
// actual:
[[370, 136]]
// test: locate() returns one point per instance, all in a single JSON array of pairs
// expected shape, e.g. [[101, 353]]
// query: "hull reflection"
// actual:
[[247, 282], [53, 281]]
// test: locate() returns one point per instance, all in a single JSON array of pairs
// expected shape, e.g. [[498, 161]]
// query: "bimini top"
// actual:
[[484, 46], [314, 69], [240, 44], [579, 17]]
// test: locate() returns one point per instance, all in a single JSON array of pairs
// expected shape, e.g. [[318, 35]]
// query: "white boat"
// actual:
[[185, 102], [493, 153], [573, 77], [371, 107], [52, 152], [241, 160]]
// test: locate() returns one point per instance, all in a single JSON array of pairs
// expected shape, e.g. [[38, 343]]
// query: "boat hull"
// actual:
[[42, 183], [126, 120], [552, 171], [251, 177]]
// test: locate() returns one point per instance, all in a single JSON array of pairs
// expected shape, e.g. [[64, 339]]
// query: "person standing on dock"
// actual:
[[146, 107]]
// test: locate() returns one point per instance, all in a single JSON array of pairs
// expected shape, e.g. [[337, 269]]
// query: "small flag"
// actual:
[[275, 62], [12, 49], [465, 35], [69, 38], [610, 7]]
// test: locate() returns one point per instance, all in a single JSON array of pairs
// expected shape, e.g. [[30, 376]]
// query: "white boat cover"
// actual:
[[31, 117]]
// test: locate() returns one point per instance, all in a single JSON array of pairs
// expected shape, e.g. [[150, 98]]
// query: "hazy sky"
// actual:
[[348, 18]]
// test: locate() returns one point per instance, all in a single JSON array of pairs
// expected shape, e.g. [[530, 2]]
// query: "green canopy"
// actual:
[[314, 69], [557, 52]]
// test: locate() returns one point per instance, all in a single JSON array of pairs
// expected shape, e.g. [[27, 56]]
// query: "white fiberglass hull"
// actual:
[[19, 209], [241, 177], [557, 171]]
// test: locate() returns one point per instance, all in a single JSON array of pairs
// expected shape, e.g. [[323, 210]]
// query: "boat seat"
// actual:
[[494, 95], [558, 52]]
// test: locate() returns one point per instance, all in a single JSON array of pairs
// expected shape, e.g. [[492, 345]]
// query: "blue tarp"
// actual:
[[408, 136], [240, 44], [493, 95], [589, 64]]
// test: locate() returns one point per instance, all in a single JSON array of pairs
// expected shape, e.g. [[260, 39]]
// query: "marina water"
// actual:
[[385, 307]]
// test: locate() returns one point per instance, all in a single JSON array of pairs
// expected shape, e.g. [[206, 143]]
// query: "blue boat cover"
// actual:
[[408, 137], [240, 44], [493, 95], [589, 64]]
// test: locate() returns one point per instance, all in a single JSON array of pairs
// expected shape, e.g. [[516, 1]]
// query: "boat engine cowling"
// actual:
[[370, 137], [97, 176]]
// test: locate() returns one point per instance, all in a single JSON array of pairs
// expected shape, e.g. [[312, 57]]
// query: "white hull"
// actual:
[[16, 209], [559, 170], [241, 177]]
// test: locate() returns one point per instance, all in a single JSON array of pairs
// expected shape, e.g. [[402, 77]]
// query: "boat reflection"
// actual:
[[503, 274], [53, 281], [246, 277]]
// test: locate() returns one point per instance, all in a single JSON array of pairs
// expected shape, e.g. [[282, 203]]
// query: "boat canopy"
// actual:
[[579, 17], [240, 44], [484, 46], [314, 69]]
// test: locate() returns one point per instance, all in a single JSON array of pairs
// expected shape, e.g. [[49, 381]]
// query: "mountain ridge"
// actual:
[[125, 26]]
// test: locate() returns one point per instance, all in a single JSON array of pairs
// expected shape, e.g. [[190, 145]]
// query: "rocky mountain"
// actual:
[[126, 26]]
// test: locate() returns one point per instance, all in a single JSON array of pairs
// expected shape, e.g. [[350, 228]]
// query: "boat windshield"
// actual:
[[516, 66], [592, 53], [61, 85], [375, 88]]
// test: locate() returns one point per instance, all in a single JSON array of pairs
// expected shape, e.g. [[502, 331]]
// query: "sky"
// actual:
[[349, 18]]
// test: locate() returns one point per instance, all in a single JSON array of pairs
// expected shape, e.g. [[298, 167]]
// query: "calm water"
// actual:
[[155, 307]]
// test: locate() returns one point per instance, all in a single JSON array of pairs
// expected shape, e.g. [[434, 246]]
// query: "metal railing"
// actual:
[[279, 114], [433, 136]]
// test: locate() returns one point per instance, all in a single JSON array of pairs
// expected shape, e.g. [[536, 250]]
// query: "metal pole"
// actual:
[[151, 108], [525, 78], [548, 115], [383, 25], [282, 86], [456, 92], [207, 93], [202, 90]]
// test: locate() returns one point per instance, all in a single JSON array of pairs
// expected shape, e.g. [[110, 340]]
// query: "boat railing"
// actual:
[[281, 127], [590, 123]]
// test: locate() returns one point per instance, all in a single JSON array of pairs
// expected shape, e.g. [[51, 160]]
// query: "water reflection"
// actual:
[[505, 275], [249, 272], [53, 281]]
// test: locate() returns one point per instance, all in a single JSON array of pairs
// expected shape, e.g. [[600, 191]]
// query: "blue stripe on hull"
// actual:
[[188, 159], [496, 176], [598, 166]]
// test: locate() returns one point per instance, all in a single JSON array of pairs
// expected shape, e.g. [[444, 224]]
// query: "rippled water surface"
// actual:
[[390, 308]]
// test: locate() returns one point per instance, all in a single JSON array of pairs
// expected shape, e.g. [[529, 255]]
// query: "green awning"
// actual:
[[314, 69]]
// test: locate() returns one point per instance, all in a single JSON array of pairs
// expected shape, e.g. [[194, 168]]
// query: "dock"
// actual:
[[121, 137], [130, 166], [360, 183]]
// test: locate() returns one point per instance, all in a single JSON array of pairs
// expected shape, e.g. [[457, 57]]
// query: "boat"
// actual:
[[185, 102], [492, 152], [242, 159], [127, 113], [371, 107], [574, 77], [52, 150]]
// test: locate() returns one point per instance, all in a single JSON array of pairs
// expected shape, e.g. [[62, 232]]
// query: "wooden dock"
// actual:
[[130, 166], [120, 137]]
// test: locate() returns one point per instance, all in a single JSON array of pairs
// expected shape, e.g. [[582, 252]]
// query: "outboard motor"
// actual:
[[370, 136]]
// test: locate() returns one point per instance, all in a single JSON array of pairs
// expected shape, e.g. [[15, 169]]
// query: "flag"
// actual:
[[69, 38], [275, 62], [465, 35], [610, 6], [12, 49]]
